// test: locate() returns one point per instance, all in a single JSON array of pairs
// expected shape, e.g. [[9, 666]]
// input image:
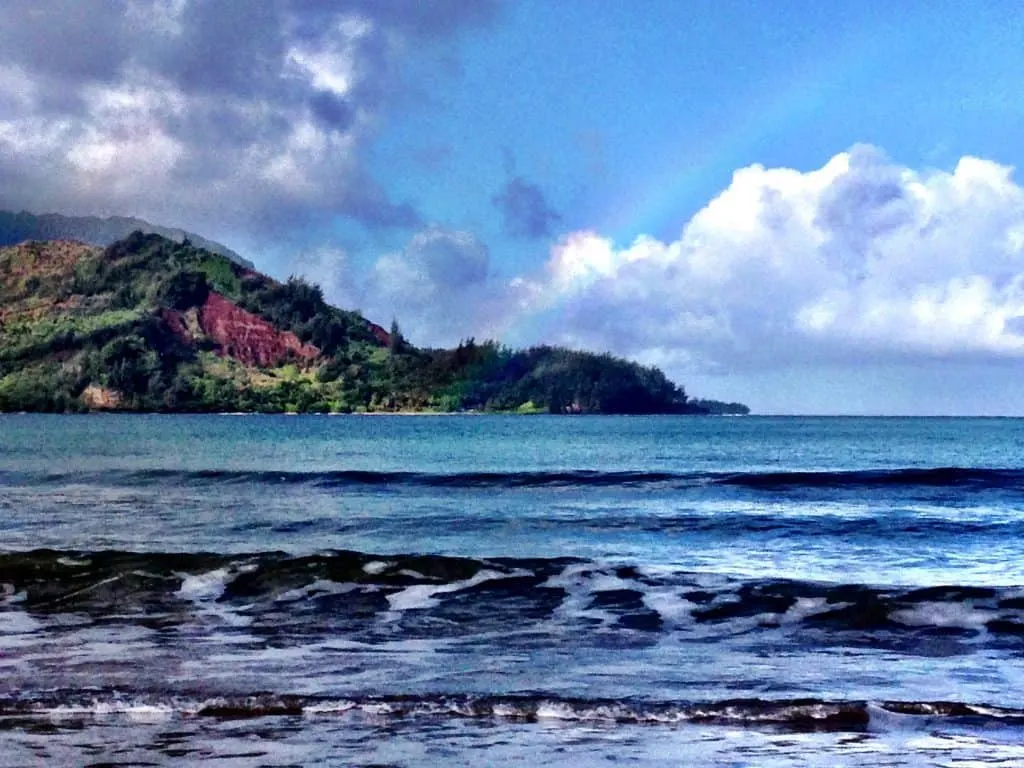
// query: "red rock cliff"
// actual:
[[379, 333], [248, 338]]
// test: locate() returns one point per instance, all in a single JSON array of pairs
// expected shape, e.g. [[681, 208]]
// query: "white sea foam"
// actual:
[[581, 582], [133, 710], [336, 707], [672, 607], [318, 588], [204, 587], [956, 615], [9, 594], [376, 567], [556, 710], [425, 595], [406, 646], [808, 606], [507, 710], [72, 562], [17, 623]]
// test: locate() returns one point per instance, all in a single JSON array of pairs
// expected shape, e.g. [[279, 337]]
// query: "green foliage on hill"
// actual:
[[121, 328], [299, 307], [488, 376], [719, 408]]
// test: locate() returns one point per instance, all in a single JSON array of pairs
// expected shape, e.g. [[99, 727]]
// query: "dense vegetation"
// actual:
[[131, 327], [718, 408]]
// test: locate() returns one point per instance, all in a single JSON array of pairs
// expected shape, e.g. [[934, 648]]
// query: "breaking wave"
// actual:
[[794, 714], [351, 591]]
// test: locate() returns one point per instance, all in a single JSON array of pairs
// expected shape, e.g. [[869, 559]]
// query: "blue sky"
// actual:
[[631, 116], [807, 206]]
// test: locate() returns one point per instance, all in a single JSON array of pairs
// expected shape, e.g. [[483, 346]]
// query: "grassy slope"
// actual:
[[75, 320]]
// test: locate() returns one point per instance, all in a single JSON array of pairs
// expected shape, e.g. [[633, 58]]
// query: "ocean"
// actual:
[[492, 590]]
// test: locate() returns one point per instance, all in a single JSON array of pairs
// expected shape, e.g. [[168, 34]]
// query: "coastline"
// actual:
[[528, 414]]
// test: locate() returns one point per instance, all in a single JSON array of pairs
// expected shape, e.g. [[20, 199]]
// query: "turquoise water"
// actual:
[[484, 590]]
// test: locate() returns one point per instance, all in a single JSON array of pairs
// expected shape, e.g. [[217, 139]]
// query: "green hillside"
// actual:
[[149, 324]]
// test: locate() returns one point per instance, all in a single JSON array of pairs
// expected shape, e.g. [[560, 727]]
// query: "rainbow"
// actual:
[[693, 167]]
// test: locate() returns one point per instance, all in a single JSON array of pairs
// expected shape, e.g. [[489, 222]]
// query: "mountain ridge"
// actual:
[[95, 230]]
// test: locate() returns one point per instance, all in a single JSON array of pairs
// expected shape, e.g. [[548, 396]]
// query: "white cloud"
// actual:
[[329, 63], [851, 288], [123, 146], [861, 260], [439, 287]]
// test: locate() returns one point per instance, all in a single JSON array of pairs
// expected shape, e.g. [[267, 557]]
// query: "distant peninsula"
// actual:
[[156, 324]]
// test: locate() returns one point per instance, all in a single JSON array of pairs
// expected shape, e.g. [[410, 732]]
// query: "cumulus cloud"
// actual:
[[204, 112], [862, 260], [525, 210], [440, 287]]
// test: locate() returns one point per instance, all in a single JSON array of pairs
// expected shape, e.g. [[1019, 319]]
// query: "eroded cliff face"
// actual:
[[247, 338], [379, 333], [98, 398], [240, 334]]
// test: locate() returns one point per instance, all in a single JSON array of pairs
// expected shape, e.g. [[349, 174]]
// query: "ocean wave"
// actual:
[[969, 478], [353, 592], [349, 478], [849, 525], [795, 714], [977, 478]]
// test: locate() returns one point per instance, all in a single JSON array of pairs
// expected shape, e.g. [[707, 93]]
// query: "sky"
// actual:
[[809, 207]]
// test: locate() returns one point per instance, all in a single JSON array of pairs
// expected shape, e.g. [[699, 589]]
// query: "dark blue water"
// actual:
[[484, 590]]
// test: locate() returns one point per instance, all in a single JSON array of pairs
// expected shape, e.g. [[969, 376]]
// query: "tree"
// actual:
[[184, 289], [395, 341]]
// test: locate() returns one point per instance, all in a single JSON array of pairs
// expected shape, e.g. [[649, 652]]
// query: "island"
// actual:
[[151, 324]]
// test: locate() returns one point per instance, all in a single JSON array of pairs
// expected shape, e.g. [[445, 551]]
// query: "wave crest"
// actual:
[[794, 714], [978, 478]]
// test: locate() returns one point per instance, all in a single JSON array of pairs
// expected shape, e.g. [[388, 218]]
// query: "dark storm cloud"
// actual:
[[525, 210], [72, 40], [225, 114], [223, 48]]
